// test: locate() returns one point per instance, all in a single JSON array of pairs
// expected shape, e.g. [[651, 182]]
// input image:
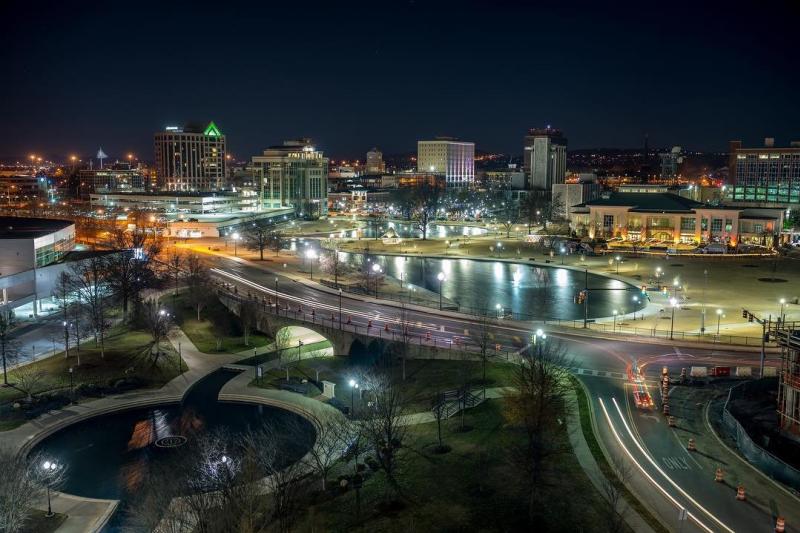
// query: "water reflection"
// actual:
[[529, 292]]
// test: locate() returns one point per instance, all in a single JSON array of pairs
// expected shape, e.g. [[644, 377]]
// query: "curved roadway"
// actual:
[[662, 473]]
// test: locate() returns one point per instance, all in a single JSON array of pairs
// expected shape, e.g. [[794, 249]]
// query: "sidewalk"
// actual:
[[88, 514]]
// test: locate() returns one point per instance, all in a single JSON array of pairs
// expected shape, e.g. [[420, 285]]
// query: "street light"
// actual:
[[538, 340], [719, 315], [614, 312], [674, 303], [235, 242], [440, 277], [311, 255], [353, 387], [277, 309], [783, 303], [635, 303], [618, 259], [49, 469], [376, 268], [499, 309], [340, 308]]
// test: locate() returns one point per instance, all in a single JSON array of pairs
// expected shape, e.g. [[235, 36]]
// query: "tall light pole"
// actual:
[[235, 243], [499, 309], [618, 259], [719, 315], [538, 340], [440, 277], [614, 312], [635, 303], [311, 255], [376, 268], [783, 304], [277, 309], [340, 308], [353, 387], [49, 468], [674, 302]]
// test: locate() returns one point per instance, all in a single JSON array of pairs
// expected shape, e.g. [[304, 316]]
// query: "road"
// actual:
[[662, 473]]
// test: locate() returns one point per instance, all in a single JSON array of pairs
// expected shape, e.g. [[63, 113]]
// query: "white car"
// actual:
[[715, 248]]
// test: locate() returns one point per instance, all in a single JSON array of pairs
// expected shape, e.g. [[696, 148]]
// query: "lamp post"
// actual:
[[614, 312], [563, 251], [618, 259], [49, 468], [277, 309], [719, 315], [353, 387], [783, 304], [499, 309], [180, 364], [235, 243], [674, 302], [635, 303], [376, 268], [340, 308], [71, 386], [440, 277], [538, 340], [311, 255]]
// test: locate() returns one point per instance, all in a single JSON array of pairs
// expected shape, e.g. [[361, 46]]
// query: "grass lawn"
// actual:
[[127, 356], [288, 354], [474, 487], [216, 321], [424, 378]]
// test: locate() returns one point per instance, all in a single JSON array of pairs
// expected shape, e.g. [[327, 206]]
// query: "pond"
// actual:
[[410, 230], [529, 292], [110, 456]]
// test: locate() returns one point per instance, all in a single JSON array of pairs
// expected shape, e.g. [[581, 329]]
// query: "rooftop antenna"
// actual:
[[101, 155]]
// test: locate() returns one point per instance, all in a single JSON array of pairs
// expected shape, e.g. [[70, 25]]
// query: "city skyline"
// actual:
[[369, 75]]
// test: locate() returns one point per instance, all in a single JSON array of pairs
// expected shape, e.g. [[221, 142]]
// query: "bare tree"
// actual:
[[90, 283], [276, 239], [405, 324], [7, 349], [332, 436], [331, 264], [248, 316], [29, 379], [382, 425], [483, 340], [62, 290], [175, 264], [23, 482], [439, 410], [426, 199], [197, 278], [538, 406], [283, 341], [129, 269], [615, 508], [157, 323], [256, 238]]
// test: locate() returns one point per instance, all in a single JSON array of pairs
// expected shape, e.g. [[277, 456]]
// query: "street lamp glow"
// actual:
[[353, 383], [440, 276], [311, 254], [236, 236], [539, 333], [376, 267], [673, 302], [719, 311]]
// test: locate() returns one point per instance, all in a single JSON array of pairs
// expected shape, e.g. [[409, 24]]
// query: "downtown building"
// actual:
[[768, 174], [374, 165], [294, 174], [447, 157], [190, 158], [544, 158]]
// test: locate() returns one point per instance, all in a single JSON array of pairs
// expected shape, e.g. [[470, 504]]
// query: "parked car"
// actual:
[[715, 248]]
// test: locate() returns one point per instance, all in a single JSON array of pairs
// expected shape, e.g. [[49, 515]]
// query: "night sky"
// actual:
[[354, 75]]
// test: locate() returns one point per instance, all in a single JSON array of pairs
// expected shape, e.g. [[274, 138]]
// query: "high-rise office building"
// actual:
[[455, 160], [545, 158], [375, 163], [190, 158], [669, 163], [768, 174], [294, 174]]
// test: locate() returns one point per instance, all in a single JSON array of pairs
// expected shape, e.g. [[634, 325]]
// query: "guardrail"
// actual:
[[765, 461]]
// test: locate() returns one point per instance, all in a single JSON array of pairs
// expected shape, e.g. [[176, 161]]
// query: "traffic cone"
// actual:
[[691, 447], [671, 421], [740, 493], [780, 525], [719, 475]]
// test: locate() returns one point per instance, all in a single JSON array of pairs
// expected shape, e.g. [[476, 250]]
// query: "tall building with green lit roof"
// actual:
[[190, 158]]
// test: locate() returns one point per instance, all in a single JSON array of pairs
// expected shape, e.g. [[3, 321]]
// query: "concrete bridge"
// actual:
[[351, 337]]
